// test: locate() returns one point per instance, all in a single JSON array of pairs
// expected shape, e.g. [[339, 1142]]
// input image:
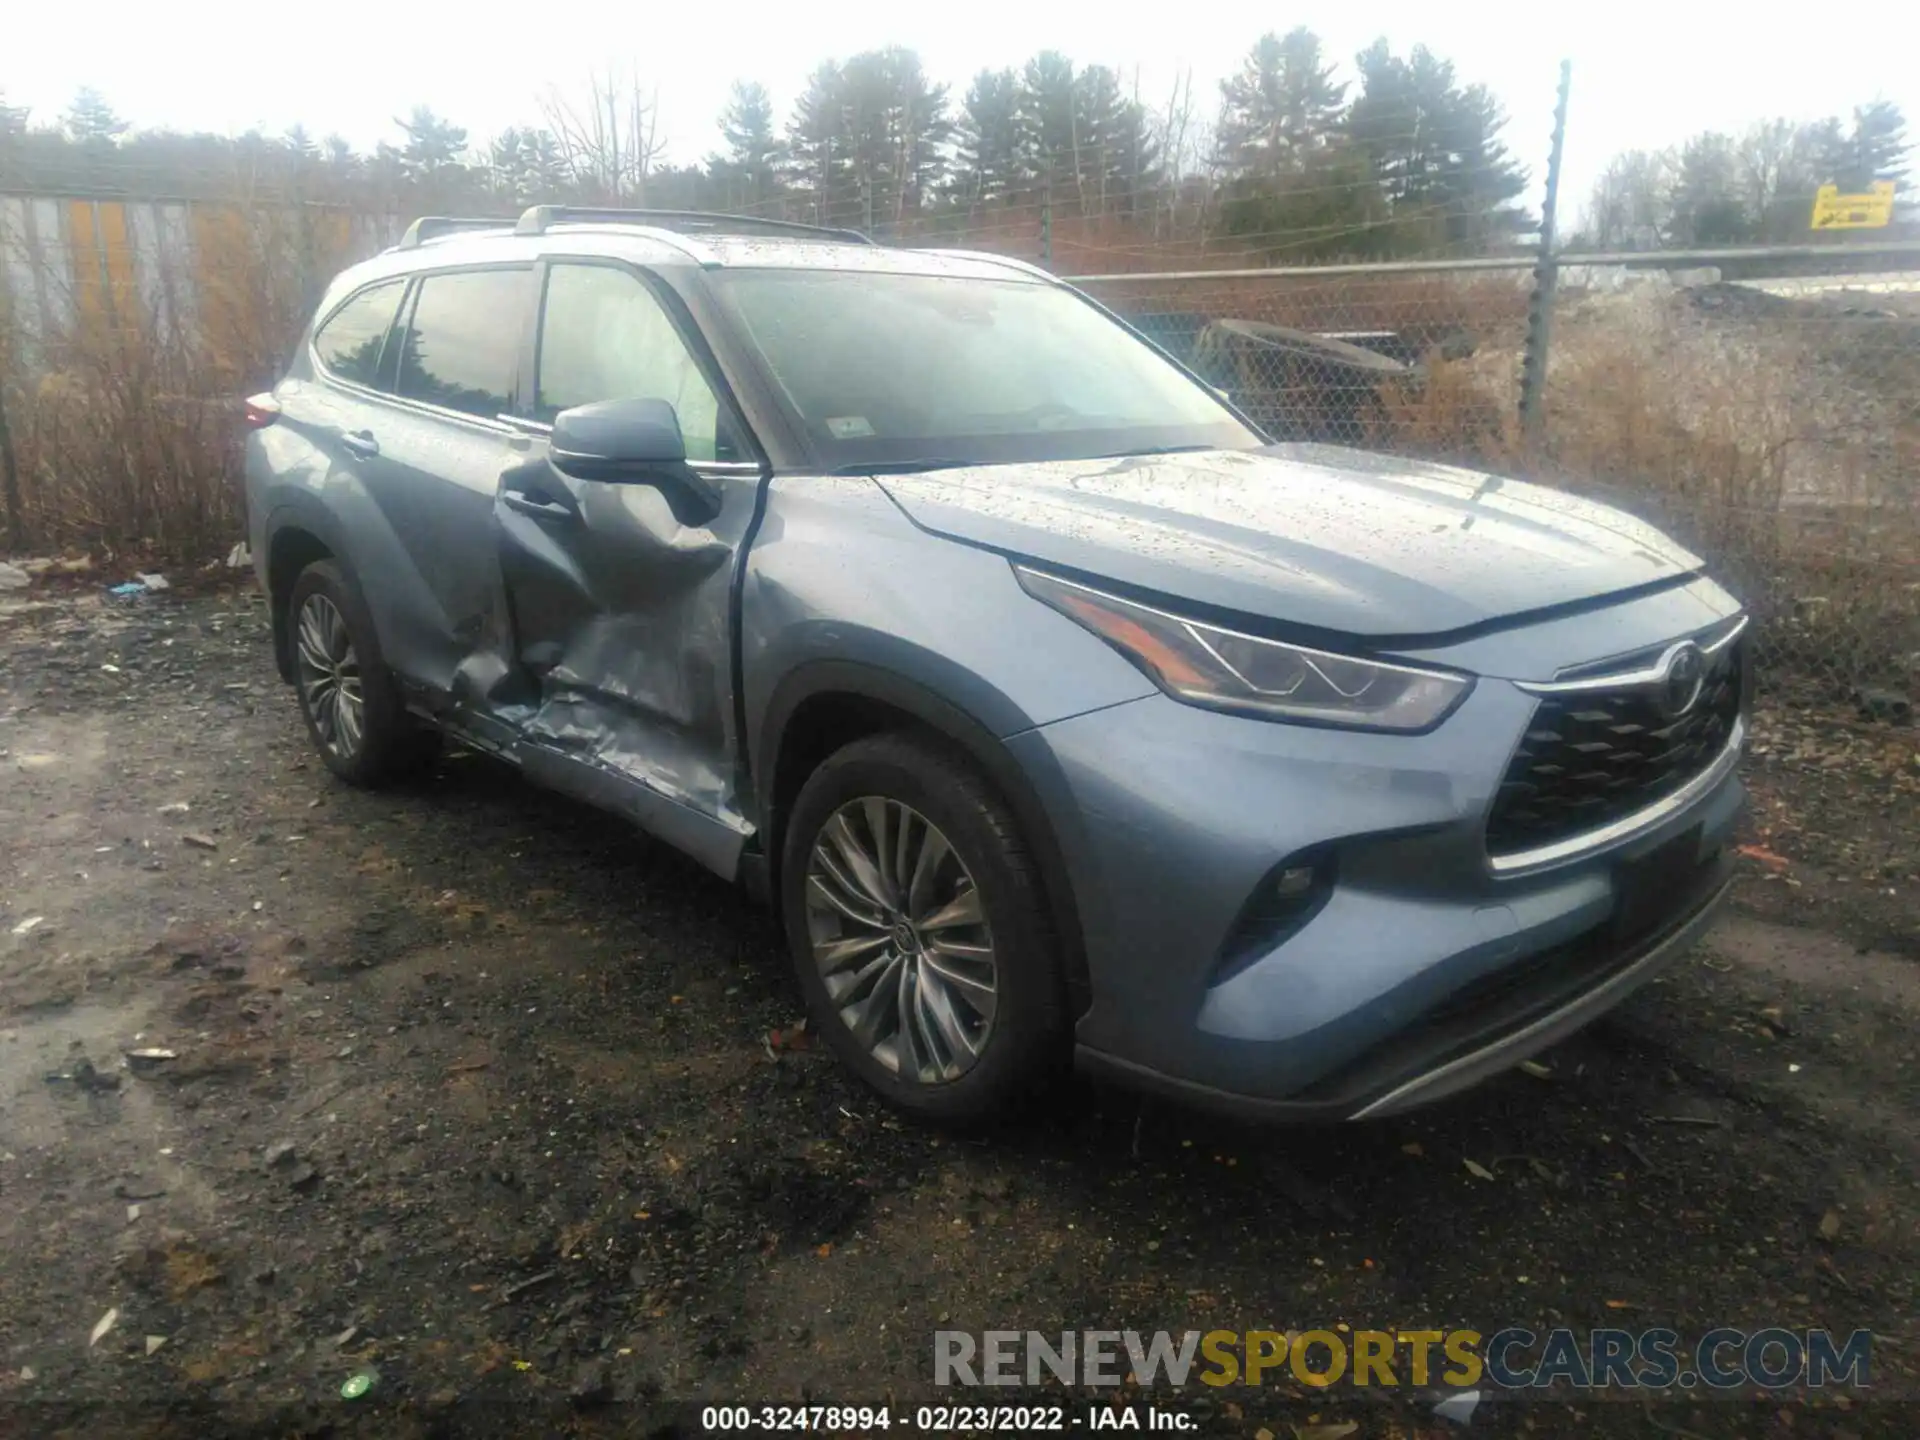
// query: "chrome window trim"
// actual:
[[1645, 678], [1588, 842], [418, 407]]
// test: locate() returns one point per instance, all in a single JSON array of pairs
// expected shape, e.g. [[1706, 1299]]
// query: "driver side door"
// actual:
[[619, 596]]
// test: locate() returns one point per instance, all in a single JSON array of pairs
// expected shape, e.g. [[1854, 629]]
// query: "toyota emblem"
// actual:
[[1686, 673]]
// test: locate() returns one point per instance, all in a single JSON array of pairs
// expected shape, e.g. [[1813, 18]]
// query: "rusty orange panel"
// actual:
[[83, 241], [116, 249], [224, 267], [334, 230]]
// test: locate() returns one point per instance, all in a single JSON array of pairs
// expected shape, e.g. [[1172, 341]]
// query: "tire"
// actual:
[[963, 1055], [371, 743]]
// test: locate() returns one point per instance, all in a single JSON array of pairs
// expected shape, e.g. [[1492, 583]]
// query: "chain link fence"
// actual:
[[1772, 425]]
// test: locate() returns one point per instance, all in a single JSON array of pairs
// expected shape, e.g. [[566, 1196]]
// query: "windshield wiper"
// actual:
[[900, 467]]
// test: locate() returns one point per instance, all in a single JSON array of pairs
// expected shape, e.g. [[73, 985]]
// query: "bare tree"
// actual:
[[1631, 206], [1174, 125], [609, 137]]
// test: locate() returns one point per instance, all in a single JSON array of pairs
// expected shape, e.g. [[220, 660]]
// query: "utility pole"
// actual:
[[1546, 274]]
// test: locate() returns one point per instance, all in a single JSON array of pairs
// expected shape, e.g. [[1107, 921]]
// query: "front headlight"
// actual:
[[1225, 670]]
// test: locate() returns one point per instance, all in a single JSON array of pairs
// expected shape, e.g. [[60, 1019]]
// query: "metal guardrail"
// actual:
[[1663, 259]]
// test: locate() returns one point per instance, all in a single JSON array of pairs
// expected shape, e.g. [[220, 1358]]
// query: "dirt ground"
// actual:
[[558, 1164]]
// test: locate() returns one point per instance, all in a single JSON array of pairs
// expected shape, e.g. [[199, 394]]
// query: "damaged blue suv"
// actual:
[[1057, 711]]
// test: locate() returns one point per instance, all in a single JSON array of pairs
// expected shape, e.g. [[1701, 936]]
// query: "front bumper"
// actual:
[[1418, 1068], [1420, 969]]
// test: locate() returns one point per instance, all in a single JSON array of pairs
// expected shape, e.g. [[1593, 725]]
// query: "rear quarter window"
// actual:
[[350, 343], [460, 346]]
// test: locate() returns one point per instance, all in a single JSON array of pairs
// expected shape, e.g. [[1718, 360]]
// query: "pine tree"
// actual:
[[91, 121], [543, 161], [1283, 105], [1116, 151], [524, 165], [750, 168], [816, 143], [868, 138], [920, 129], [1877, 148], [1481, 181], [990, 162], [506, 166], [1707, 204], [1435, 151], [433, 144], [1050, 127]]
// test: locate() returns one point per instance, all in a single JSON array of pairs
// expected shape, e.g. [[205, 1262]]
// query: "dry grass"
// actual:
[[125, 429], [1426, 309], [118, 455], [1794, 477], [1456, 415]]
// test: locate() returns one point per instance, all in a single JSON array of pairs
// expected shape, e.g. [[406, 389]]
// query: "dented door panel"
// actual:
[[434, 486], [621, 616]]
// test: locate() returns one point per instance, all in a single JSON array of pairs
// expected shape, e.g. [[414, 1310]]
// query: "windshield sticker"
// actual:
[[848, 427]]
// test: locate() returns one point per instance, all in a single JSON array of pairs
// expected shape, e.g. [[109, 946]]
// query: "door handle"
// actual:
[[540, 509], [359, 442]]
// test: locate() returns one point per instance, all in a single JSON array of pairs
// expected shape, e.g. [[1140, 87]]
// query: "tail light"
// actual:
[[261, 411]]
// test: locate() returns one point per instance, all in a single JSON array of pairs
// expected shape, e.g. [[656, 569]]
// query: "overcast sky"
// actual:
[[1644, 74]]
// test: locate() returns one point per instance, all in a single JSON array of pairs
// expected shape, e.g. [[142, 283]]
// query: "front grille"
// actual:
[[1590, 759]]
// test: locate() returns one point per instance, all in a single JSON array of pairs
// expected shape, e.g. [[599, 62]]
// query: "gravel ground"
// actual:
[[484, 1092]]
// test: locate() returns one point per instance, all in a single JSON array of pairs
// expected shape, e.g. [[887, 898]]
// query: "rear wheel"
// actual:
[[919, 929], [348, 697]]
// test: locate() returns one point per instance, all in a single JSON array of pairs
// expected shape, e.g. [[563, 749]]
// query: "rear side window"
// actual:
[[349, 344], [605, 336], [459, 344]]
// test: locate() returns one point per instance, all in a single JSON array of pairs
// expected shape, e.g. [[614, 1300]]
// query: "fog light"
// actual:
[[1284, 900], [1293, 882]]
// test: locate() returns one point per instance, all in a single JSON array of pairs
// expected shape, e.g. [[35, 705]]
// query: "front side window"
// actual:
[[894, 369], [459, 346], [605, 336], [349, 344]]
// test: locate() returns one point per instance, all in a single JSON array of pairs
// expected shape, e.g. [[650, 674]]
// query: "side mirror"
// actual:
[[616, 439], [628, 442]]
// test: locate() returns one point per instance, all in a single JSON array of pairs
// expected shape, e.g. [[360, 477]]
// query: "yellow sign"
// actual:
[[1871, 211]]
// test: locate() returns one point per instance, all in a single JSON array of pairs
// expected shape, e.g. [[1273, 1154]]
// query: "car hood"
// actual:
[[1313, 535]]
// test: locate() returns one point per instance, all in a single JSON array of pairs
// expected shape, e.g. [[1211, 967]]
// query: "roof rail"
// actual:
[[429, 227], [537, 218], [1012, 262]]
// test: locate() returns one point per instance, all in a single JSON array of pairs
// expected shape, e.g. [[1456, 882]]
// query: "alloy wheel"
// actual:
[[330, 676], [901, 940]]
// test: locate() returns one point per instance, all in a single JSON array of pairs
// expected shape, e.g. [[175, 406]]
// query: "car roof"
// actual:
[[768, 252], [662, 248]]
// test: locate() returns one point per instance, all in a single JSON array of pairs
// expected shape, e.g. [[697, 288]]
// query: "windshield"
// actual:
[[894, 370]]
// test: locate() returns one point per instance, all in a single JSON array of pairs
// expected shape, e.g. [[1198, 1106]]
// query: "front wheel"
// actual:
[[919, 929]]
